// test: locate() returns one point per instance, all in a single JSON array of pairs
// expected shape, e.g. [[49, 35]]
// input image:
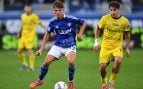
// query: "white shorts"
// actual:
[[57, 51]]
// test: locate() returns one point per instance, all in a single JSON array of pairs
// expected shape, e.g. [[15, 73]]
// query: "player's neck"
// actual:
[[61, 17], [29, 13], [116, 17]]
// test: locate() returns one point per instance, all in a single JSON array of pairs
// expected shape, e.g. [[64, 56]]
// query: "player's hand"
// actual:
[[127, 52], [39, 52], [96, 45], [79, 37], [18, 35]]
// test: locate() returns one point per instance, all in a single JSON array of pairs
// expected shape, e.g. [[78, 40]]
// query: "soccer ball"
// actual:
[[61, 85]]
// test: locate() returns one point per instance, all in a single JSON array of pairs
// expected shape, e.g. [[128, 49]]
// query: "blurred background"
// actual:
[[90, 10], [87, 75]]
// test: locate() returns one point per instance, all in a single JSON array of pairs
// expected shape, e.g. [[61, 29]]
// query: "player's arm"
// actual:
[[127, 39], [38, 21], [96, 44], [19, 33], [97, 32], [81, 31], [100, 26], [41, 25], [45, 39]]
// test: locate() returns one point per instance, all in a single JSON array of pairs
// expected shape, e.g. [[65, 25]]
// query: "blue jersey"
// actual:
[[65, 30]]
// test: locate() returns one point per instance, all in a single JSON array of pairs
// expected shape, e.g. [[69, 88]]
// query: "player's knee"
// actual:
[[46, 63], [19, 51], [71, 62], [119, 61], [30, 51], [103, 66]]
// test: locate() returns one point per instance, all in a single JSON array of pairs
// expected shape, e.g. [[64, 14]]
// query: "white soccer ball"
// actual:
[[60, 85]]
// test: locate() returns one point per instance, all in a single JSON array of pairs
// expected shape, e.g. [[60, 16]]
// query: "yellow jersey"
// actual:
[[113, 30], [29, 23]]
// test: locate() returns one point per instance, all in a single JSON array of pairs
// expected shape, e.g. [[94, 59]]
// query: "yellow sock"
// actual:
[[104, 80], [22, 58], [32, 61], [113, 77]]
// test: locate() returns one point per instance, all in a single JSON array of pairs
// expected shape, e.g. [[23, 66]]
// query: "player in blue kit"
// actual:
[[64, 26]]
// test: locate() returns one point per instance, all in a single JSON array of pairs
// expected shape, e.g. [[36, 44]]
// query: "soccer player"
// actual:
[[114, 26], [26, 36], [64, 27]]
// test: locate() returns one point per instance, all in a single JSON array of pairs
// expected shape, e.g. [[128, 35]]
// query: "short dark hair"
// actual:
[[114, 4], [28, 4], [58, 4]]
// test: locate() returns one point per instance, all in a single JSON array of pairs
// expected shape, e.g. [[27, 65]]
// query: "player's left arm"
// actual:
[[81, 31], [38, 21], [127, 39], [43, 26]]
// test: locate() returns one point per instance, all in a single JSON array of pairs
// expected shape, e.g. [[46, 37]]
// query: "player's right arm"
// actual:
[[19, 33], [45, 39], [96, 44], [101, 24]]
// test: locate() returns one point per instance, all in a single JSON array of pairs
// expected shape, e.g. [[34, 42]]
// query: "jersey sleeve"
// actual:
[[77, 20], [80, 21], [21, 18], [101, 23], [37, 19], [50, 28], [127, 28]]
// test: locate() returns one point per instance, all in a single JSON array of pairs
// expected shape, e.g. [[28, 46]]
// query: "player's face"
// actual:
[[59, 12], [28, 9], [114, 12]]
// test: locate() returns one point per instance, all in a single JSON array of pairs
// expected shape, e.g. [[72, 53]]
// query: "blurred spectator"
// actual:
[[2, 33], [137, 5], [114, 0], [75, 5], [91, 4], [47, 1], [13, 5]]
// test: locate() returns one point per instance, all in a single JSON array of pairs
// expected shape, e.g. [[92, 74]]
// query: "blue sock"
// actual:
[[43, 72], [71, 73]]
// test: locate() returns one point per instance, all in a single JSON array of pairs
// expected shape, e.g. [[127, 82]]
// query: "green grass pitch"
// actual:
[[87, 71]]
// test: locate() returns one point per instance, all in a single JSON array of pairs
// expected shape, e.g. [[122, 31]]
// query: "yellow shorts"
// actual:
[[26, 43], [107, 54]]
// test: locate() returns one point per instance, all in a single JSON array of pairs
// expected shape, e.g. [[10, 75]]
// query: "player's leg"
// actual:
[[105, 56], [71, 56], [21, 55], [29, 46], [53, 54], [117, 53], [31, 60], [71, 62], [43, 71], [115, 71], [103, 67]]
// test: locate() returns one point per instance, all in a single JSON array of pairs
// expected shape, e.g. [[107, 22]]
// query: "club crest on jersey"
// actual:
[[69, 24], [57, 26]]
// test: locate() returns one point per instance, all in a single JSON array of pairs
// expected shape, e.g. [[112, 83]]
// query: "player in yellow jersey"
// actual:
[[27, 34], [114, 26]]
